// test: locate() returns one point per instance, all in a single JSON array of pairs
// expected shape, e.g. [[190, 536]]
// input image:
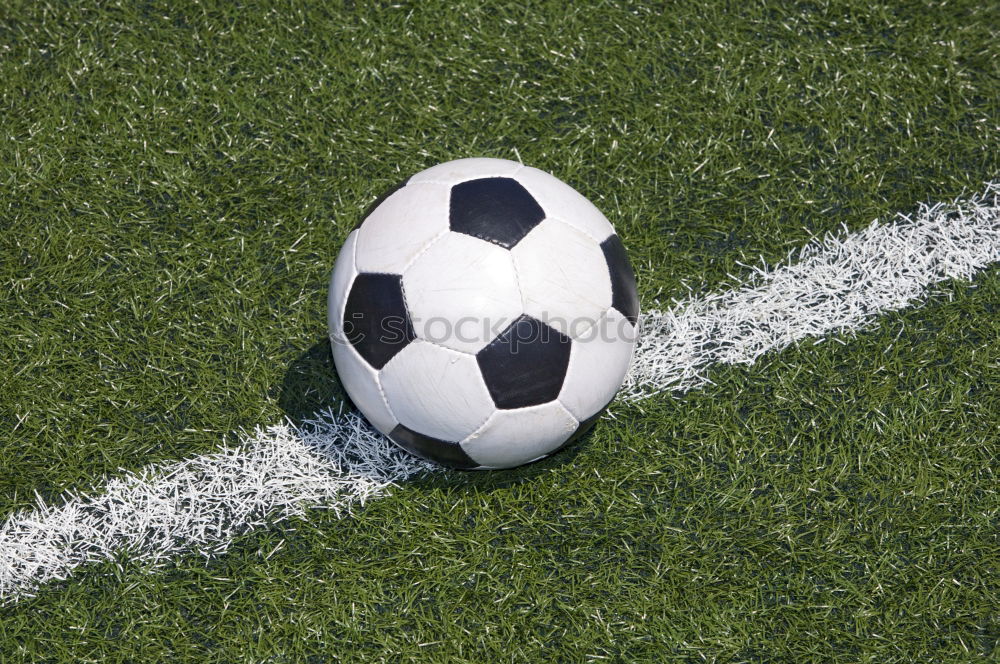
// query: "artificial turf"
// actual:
[[175, 180]]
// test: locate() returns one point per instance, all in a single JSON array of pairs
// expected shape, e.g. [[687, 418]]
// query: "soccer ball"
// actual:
[[483, 314]]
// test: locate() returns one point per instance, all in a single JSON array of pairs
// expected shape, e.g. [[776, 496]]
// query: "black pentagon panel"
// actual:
[[378, 201], [624, 294], [525, 365], [498, 210], [433, 449], [375, 318]]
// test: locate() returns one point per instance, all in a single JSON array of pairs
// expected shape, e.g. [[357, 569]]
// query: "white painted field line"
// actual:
[[339, 462], [202, 503], [838, 283]]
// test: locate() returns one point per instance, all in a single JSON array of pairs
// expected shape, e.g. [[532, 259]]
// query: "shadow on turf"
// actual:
[[311, 385]]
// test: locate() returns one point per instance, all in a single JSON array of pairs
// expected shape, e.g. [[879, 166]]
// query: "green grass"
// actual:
[[175, 180]]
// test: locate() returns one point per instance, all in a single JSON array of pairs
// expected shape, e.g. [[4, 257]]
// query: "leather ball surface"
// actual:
[[483, 314]]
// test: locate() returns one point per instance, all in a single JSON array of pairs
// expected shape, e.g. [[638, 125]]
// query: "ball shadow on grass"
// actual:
[[497, 480], [311, 385]]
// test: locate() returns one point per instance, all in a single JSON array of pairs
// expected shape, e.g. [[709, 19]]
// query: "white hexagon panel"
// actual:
[[401, 227], [558, 199], [460, 290], [362, 383], [598, 362], [436, 391], [340, 284], [512, 437], [564, 277]]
